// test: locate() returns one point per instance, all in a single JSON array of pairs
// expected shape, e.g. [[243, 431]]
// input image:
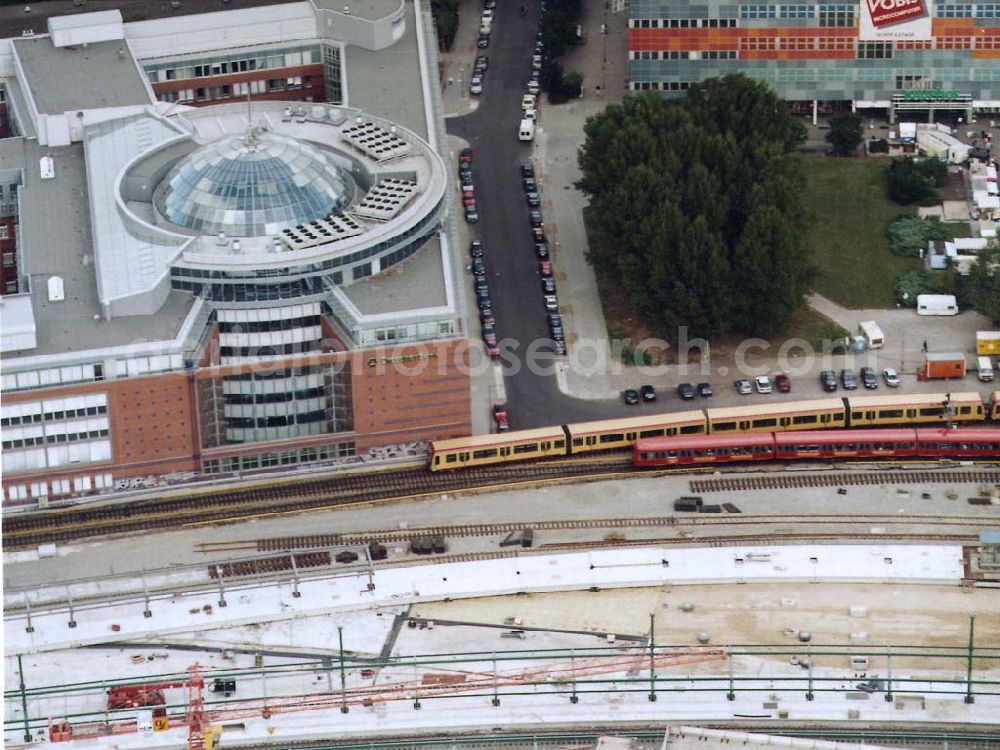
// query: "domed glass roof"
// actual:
[[253, 185]]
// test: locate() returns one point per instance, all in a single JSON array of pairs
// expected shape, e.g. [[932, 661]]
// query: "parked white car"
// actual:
[[763, 383]]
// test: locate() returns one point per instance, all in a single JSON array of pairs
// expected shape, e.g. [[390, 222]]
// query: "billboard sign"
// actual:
[[887, 20]]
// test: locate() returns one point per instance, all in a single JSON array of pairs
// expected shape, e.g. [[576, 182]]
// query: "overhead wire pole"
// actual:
[[343, 675], [652, 658], [969, 697], [24, 700]]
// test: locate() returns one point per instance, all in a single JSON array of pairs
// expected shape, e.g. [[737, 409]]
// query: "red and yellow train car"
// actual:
[[504, 447], [972, 442], [825, 413], [609, 434], [702, 449], [839, 444]]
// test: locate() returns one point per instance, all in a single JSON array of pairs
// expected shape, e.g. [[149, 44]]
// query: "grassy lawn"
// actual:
[[953, 229], [850, 211], [809, 325]]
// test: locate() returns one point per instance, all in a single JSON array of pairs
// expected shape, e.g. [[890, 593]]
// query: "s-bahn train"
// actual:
[[704, 450], [851, 412]]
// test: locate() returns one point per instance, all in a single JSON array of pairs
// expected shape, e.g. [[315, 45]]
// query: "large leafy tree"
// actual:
[[846, 133], [984, 282], [695, 206]]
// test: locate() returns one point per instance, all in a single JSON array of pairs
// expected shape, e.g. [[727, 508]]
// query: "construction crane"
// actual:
[[140, 696], [436, 683]]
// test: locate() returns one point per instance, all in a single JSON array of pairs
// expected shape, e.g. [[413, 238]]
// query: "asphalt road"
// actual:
[[534, 398]]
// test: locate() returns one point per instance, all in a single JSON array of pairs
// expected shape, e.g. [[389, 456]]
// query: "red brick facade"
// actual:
[[213, 89], [398, 395]]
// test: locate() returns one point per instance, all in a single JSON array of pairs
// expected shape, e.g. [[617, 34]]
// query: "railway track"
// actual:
[[788, 481], [67, 524], [391, 536], [239, 504]]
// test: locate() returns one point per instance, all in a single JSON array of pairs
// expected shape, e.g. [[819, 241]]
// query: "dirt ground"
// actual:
[[771, 614]]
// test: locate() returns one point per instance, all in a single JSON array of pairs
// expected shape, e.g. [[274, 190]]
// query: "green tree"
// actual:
[[911, 183], [445, 14], [695, 206], [845, 134], [984, 282]]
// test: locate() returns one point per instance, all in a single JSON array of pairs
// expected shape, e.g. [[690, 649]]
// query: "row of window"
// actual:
[[425, 229], [286, 458], [273, 398], [268, 350], [831, 15], [767, 422], [266, 326], [281, 420], [682, 23], [49, 416], [62, 437], [864, 50], [241, 89], [725, 54], [232, 64]]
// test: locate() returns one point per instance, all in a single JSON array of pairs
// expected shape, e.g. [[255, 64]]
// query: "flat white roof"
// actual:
[[18, 332]]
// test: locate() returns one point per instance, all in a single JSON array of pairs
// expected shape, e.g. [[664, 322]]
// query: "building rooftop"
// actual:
[[370, 10], [64, 248], [387, 83], [91, 76], [416, 283]]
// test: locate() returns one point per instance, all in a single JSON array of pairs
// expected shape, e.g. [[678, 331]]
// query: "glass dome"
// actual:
[[253, 185]]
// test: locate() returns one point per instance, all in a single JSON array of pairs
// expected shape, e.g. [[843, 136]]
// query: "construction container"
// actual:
[[945, 365], [987, 342], [937, 304]]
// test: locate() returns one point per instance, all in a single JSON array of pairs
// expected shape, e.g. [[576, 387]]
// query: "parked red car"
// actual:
[[782, 382]]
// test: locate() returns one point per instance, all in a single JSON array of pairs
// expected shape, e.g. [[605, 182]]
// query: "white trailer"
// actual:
[[943, 146], [936, 304]]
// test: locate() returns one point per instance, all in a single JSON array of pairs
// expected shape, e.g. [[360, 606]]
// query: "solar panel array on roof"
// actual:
[[386, 199], [320, 232], [374, 141]]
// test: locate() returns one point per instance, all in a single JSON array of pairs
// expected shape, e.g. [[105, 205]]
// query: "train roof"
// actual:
[[828, 437], [960, 435], [704, 441], [500, 438], [777, 408], [638, 423], [914, 399]]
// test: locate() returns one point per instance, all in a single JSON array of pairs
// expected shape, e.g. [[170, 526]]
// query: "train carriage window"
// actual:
[[932, 411], [965, 410], [526, 448], [804, 419], [612, 437], [744, 425], [630, 436], [437, 460], [856, 414], [771, 422], [505, 451], [693, 429], [486, 453], [723, 426], [546, 445], [651, 433], [451, 458], [890, 413], [869, 415], [671, 431], [577, 442], [560, 443], [784, 421], [591, 440], [911, 413], [824, 417]]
